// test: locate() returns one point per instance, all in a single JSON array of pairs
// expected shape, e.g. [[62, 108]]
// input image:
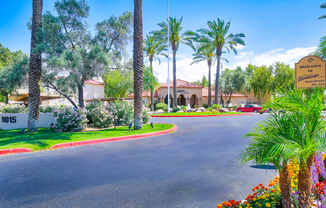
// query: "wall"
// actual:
[[93, 92], [19, 120]]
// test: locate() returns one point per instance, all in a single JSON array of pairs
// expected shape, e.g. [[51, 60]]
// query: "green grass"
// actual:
[[45, 138], [194, 113]]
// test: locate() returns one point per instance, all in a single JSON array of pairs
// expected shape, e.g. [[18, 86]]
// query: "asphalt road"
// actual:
[[198, 166]]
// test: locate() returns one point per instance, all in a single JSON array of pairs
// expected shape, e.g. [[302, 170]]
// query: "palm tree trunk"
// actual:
[[138, 63], [285, 185], [152, 87], [304, 183], [217, 76], [35, 67], [209, 84], [174, 79]]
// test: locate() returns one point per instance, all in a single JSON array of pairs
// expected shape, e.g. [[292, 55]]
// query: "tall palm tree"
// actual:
[[176, 37], [218, 34], [35, 67], [138, 60], [153, 48], [202, 52]]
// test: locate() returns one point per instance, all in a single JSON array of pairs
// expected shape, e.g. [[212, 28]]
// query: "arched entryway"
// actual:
[[193, 100], [166, 100], [181, 100]]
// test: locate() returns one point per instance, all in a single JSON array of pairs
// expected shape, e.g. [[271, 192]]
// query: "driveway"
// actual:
[[198, 166]]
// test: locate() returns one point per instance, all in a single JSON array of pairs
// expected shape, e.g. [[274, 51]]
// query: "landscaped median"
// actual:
[[199, 114], [13, 141]]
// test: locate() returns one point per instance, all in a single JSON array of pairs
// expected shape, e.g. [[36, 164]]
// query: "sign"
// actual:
[[310, 72], [8, 119]]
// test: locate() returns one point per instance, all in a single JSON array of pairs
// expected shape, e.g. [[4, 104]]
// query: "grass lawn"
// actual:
[[194, 113], [44, 138]]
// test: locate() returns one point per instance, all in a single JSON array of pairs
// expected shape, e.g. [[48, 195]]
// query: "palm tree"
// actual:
[[270, 144], [202, 52], [176, 37], [35, 67], [138, 63], [153, 48], [323, 6], [218, 34]]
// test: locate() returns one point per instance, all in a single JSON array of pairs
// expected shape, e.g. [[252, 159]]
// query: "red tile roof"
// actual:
[[181, 84], [205, 93], [94, 82]]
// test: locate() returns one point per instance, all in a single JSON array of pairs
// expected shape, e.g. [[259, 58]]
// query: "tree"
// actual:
[[13, 76], [321, 51], [261, 82], [153, 48], [202, 52], [173, 25], [323, 6], [138, 64], [204, 81], [72, 56], [231, 81], [118, 83], [218, 35], [150, 81], [5, 57], [249, 70], [35, 67], [283, 78]]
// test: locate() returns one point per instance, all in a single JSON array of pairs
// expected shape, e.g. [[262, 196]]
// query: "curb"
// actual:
[[237, 114], [115, 139], [14, 151]]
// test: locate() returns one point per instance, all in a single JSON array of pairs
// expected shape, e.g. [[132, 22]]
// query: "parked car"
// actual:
[[250, 108]]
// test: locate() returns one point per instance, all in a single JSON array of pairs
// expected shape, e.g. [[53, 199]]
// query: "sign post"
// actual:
[[310, 72]]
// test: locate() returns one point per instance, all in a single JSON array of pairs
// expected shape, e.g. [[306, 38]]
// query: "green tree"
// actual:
[[283, 78], [150, 81], [223, 41], [153, 48], [231, 81], [35, 67], [173, 25], [202, 52], [323, 6], [5, 56], [249, 70], [138, 63], [261, 82], [321, 51], [118, 83]]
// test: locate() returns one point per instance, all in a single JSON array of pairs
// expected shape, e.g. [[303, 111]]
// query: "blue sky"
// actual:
[[276, 30]]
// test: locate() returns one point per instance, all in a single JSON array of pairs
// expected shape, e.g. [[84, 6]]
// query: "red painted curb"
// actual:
[[14, 151], [240, 114], [114, 139]]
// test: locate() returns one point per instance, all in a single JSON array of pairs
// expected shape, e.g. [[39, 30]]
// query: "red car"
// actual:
[[250, 108]]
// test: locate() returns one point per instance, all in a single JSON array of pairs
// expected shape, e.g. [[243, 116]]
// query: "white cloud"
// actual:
[[194, 72]]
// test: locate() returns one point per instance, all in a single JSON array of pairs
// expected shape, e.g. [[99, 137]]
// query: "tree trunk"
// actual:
[[209, 62], [35, 67], [7, 99], [52, 86], [305, 183], [218, 56], [138, 64], [174, 78], [152, 84], [285, 186], [81, 102]]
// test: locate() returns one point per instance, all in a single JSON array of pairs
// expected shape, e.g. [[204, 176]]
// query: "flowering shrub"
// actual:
[[146, 117], [318, 174], [98, 115], [161, 106], [69, 120], [122, 113]]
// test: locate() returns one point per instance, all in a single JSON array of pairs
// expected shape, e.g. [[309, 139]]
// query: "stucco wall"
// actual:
[[93, 92], [19, 120]]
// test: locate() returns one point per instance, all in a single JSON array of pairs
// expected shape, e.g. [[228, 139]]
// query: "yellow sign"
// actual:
[[310, 72]]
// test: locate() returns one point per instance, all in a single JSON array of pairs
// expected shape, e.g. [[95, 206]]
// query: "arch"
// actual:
[[166, 100], [193, 100], [181, 100]]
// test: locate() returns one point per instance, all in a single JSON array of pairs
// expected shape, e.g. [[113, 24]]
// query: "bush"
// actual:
[[51, 109], [205, 105], [161, 106], [184, 108], [122, 113], [98, 115], [175, 110], [216, 106], [13, 109], [210, 109], [146, 117], [68, 120]]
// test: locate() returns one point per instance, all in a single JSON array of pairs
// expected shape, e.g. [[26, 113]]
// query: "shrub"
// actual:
[[161, 106], [205, 105], [68, 120], [122, 113], [216, 106], [51, 109], [175, 110], [98, 115], [184, 108], [210, 109], [13, 109], [146, 117]]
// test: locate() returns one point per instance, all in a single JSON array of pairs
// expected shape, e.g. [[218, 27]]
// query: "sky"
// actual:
[[276, 30]]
